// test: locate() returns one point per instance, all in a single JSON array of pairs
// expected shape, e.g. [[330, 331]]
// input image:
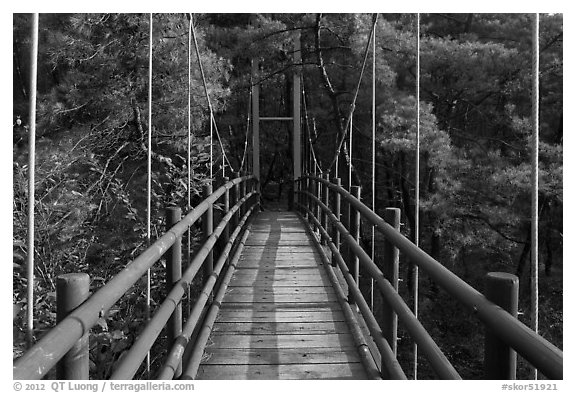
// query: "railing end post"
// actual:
[[499, 359], [72, 290]]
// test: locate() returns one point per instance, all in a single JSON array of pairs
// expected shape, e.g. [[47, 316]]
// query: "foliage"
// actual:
[[90, 212]]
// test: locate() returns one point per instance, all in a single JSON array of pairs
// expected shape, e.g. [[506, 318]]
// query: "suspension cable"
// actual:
[[248, 118], [417, 187], [350, 154], [189, 158], [213, 126], [211, 147], [534, 175], [353, 104], [372, 255], [223, 166], [149, 181], [31, 183], [312, 152], [220, 142]]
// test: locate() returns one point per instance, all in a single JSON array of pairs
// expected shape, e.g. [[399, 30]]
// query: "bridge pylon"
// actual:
[[295, 119]]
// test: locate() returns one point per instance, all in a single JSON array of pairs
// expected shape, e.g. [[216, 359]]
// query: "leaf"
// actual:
[[102, 323], [19, 243]]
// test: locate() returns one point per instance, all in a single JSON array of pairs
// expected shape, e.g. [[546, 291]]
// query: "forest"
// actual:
[[475, 107]]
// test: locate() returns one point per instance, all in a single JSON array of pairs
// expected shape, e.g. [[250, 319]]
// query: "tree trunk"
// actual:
[[388, 183], [17, 68], [549, 254], [410, 216], [525, 252], [436, 246], [468, 24]]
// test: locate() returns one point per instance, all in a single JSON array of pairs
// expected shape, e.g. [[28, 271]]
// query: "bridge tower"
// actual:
[[295, 119]]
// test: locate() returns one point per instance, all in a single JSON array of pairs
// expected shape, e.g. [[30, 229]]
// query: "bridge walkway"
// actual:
[[280, 318]]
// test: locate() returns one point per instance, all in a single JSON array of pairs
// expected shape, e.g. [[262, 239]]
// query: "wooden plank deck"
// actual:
[[280, 318]]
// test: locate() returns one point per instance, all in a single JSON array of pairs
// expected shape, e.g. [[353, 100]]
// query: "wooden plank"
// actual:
[[314, 315], [279, 249], [294, 279], [256, 341], [257, 229], [279, 256], [283, 371], [280, 241], [253, 282], [276, 264], [280, 235], [246, 275], [280, 259], [279, 290], [280, 298], [271, 278], [295, 307], [278, 328], [295, 252], [279, 356], [271, 273]]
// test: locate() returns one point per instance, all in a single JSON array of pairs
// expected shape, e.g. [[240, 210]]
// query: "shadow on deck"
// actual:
[[280, 317]]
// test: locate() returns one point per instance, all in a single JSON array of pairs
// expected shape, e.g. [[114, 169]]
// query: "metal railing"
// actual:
[[68, 339], [321, 201]]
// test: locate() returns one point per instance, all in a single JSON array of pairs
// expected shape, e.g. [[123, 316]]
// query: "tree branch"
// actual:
[[266, 36], [491, 226]]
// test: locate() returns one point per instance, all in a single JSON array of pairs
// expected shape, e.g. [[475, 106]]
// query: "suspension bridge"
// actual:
[[283, 292]]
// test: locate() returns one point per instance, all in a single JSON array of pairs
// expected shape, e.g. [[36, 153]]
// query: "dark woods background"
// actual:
[[475, 132]]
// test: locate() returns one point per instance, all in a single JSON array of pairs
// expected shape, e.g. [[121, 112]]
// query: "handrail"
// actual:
[[360, 341], [177, 351], [438, 361], [137, 353], [197, 351], [393, 368], [535, 349], [44, 355]]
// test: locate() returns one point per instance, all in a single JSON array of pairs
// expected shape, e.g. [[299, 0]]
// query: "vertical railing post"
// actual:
[[253, 188], [291, 194], [311, 203], [302, 198], [307, 201], [71, 291], [242, 195], [207, 228], [234, 198], [318, 193], [173, 275], [355, 233], [325, 200], [499, 358], [390, 271], [225, 236], [336, 202]]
